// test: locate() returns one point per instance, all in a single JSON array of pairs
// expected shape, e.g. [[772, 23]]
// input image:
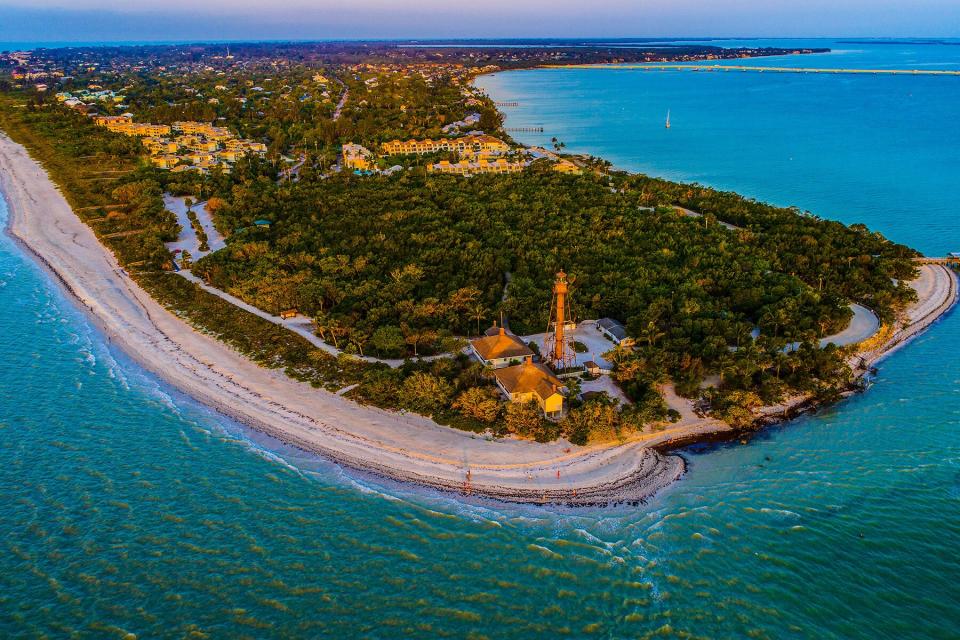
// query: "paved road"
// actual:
[[300, 325], [342, 103]]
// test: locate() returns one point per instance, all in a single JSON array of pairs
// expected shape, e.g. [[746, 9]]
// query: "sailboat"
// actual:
[[668, 119]]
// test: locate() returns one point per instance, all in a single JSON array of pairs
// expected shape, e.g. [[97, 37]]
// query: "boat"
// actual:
[[668, 119]]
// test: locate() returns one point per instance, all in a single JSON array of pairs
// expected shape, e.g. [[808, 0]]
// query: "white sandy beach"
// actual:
[[403, 447]]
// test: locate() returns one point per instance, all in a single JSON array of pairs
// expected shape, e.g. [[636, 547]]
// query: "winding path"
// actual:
[[188, 241], [300, 325]]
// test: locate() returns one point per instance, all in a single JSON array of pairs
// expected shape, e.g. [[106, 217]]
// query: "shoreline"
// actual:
[[401, 447]]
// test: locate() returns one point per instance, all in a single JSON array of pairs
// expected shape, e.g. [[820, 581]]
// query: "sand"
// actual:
[[399, 446]]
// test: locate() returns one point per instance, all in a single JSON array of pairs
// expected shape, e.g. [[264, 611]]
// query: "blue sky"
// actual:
[[83, 20]]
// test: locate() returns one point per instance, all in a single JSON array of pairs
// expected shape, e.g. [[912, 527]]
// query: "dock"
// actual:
[[952, 259], [745, 68]]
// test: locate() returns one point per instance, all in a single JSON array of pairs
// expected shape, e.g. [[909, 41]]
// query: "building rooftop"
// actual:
[[501, 345], [529, 377], [613, 327]]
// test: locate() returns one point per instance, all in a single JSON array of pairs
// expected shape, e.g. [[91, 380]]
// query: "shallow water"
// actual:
[[125, 507]]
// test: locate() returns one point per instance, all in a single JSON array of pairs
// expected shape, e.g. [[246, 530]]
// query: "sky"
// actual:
[[205, 20]]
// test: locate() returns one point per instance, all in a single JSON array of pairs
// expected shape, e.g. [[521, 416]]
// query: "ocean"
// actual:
[[126, 508]]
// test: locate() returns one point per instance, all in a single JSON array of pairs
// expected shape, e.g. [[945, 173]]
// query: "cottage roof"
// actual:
[[501, 345], [529, 377], [613, 327], [493, 330]]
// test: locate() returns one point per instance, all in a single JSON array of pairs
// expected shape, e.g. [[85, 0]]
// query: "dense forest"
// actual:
[[430, 255], [410, 264]]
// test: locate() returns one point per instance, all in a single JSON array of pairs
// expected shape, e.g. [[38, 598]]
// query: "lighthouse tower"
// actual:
[[556, 352]]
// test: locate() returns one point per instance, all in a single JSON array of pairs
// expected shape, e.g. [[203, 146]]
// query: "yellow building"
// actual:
[[500, 349], [465, 146], [104, 121], [208, 146], [356, 156], [165, 161], [483, 165], [147, 129], [219, 133], [528, 381], [255, 147], [157, 146], [193, 128], [202, 160], [230, 155], [122, 124], [565, 166]]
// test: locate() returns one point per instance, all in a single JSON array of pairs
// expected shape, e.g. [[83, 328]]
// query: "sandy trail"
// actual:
[[401, 446]]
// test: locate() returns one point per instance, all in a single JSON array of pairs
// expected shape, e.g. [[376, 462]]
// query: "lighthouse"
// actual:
[[557, 352]]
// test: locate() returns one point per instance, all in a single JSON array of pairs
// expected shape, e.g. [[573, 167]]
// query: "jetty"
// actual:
[[523, 129], [757, 69]]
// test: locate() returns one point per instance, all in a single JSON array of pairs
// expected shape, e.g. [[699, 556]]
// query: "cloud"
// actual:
[[73, 20]]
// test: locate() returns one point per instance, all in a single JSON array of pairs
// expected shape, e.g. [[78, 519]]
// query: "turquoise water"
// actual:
[[883, 150], [126, 508]]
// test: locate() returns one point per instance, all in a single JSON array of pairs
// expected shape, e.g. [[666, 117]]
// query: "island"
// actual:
[[341, 246]]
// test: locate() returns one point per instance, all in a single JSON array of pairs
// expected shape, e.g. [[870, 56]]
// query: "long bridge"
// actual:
[[728, 68]]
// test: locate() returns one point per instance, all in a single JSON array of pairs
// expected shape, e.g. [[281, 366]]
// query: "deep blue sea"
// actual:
[[126, 508]]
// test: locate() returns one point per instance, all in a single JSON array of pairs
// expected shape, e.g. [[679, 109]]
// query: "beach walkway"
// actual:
[[300, 325], [187, 240]]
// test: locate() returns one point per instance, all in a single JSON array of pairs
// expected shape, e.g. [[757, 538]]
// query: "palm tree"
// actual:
[[651, 333], [726, 365], [478, 312]]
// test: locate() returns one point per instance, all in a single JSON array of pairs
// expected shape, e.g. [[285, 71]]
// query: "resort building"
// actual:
[[158, 146], [467, 168], [123, 124], [471, 145], [106, 121], [230, 155], [565, 166], [199, 147], [204, 129], [500, 349], [165, 161], [529, 381], [356, 156], [258, 148]]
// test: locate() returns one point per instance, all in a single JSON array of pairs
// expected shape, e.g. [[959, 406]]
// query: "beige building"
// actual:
[[499, 349], [164, 161], [483, 165], [356, 156], [466, 146], [533, 382]]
